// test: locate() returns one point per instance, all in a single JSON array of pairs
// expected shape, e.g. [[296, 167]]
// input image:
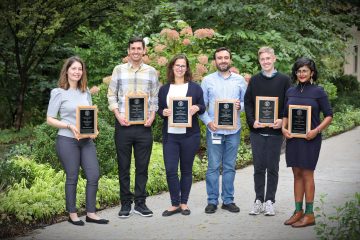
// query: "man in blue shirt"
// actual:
[[222, 144]]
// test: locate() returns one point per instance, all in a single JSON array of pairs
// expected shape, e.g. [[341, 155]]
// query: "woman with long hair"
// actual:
[[73, 152], [180, 144]]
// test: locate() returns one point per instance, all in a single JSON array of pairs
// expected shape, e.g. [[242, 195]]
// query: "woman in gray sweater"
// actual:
[[73, 152]]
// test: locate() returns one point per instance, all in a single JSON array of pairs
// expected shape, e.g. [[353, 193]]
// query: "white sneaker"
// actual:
[[269, 209], [257, 208]]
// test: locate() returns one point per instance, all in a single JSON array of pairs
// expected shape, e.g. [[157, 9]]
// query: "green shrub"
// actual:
[[21, 149], [344, 225], [100, 100], [39, 194], [12, 136], [346, 84], [105, 148], [44, 145], [343, 121]]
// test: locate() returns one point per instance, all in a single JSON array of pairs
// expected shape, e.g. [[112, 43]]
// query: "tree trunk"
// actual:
[[19, 112]]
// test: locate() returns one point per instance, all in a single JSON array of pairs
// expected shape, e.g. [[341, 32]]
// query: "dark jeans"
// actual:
[[73, 154], [266, 157], [126, 138], [177, 148]]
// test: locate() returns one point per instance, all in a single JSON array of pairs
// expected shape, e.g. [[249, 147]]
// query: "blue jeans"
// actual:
[[224, 155]]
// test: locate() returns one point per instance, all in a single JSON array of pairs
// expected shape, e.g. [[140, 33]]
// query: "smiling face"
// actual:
[[304, 74], [75, 72], [223, 61], [179, 68], [267, 61], [136, 51]]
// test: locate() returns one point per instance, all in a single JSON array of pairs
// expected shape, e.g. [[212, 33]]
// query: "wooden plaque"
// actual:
[[225, 114], [136, 108], [86, 121], [180, 112], [299, 120], [266, 111]]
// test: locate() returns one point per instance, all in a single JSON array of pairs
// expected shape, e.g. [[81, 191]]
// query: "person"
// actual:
[[134, 76], [265, 141], [73, 152], [222, 144], [302, 154], [180, 144]]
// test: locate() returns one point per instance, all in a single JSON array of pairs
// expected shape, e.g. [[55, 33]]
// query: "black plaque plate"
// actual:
[[266, 110], [180, 109], [136, 108], [86, 121], [299, 120], [225, 114]]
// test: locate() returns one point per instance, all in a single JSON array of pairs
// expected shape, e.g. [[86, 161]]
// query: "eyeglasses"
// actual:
[[180, 66], [298, 72]]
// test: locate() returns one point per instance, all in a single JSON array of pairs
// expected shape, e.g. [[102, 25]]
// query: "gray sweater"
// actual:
[[64, 103]]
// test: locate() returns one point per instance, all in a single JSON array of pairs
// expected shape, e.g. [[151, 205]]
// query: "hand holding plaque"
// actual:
[[299, 120], [86, 121], [180, 112], [225, 114], [136, 108], [266, 110]]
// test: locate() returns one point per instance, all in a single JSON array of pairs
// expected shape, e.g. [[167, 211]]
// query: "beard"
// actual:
[[223, 67]]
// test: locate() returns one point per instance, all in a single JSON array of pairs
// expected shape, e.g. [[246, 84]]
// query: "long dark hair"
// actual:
[[170, 69], [304, 61], [63, 80]]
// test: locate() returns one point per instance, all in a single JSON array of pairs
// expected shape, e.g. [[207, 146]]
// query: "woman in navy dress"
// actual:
[[302, 153]]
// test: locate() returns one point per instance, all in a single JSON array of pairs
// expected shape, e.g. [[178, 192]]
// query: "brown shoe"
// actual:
[[306, 220], [295, 217]]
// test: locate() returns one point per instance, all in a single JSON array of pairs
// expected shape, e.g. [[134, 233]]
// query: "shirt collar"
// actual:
[[219, 74], [130, 65], [273, 73]]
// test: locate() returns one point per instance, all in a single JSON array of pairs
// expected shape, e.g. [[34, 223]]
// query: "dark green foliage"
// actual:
[[343, 225], [105, 148], [12, 172], [157, 129], [346, 84], [12, 136], [100, 100], [344, 120], [44, 145]]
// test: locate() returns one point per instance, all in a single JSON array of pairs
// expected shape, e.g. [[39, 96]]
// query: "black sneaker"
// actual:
[[231, 207], [141, 209], [125, 210], [210, 208]]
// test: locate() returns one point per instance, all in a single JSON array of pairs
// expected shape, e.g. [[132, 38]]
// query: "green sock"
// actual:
[[309, 208], [298, 206]]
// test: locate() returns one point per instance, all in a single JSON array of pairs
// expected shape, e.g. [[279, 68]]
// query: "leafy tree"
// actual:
[[29, 29]]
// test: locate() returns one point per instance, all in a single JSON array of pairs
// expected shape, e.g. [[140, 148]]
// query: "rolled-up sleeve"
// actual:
[[112, 94], [154, 91]]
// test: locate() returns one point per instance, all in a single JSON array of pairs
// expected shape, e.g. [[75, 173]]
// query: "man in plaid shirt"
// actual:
[[133, 77]]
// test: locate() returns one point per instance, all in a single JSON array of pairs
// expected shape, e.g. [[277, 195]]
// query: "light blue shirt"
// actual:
[[216, 87]]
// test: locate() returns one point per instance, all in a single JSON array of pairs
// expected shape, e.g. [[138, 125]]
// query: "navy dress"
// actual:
[[300, 152]]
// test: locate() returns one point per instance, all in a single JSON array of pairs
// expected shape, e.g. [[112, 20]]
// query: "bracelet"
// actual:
[[318, 130]]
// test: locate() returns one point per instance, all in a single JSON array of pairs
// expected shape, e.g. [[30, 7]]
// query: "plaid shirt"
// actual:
[[125, 79]]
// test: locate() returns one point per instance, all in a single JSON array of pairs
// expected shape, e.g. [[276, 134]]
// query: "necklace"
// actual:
[[302, 87]]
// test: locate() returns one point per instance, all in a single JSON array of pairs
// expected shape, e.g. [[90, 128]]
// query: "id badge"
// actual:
[[216, 138]]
